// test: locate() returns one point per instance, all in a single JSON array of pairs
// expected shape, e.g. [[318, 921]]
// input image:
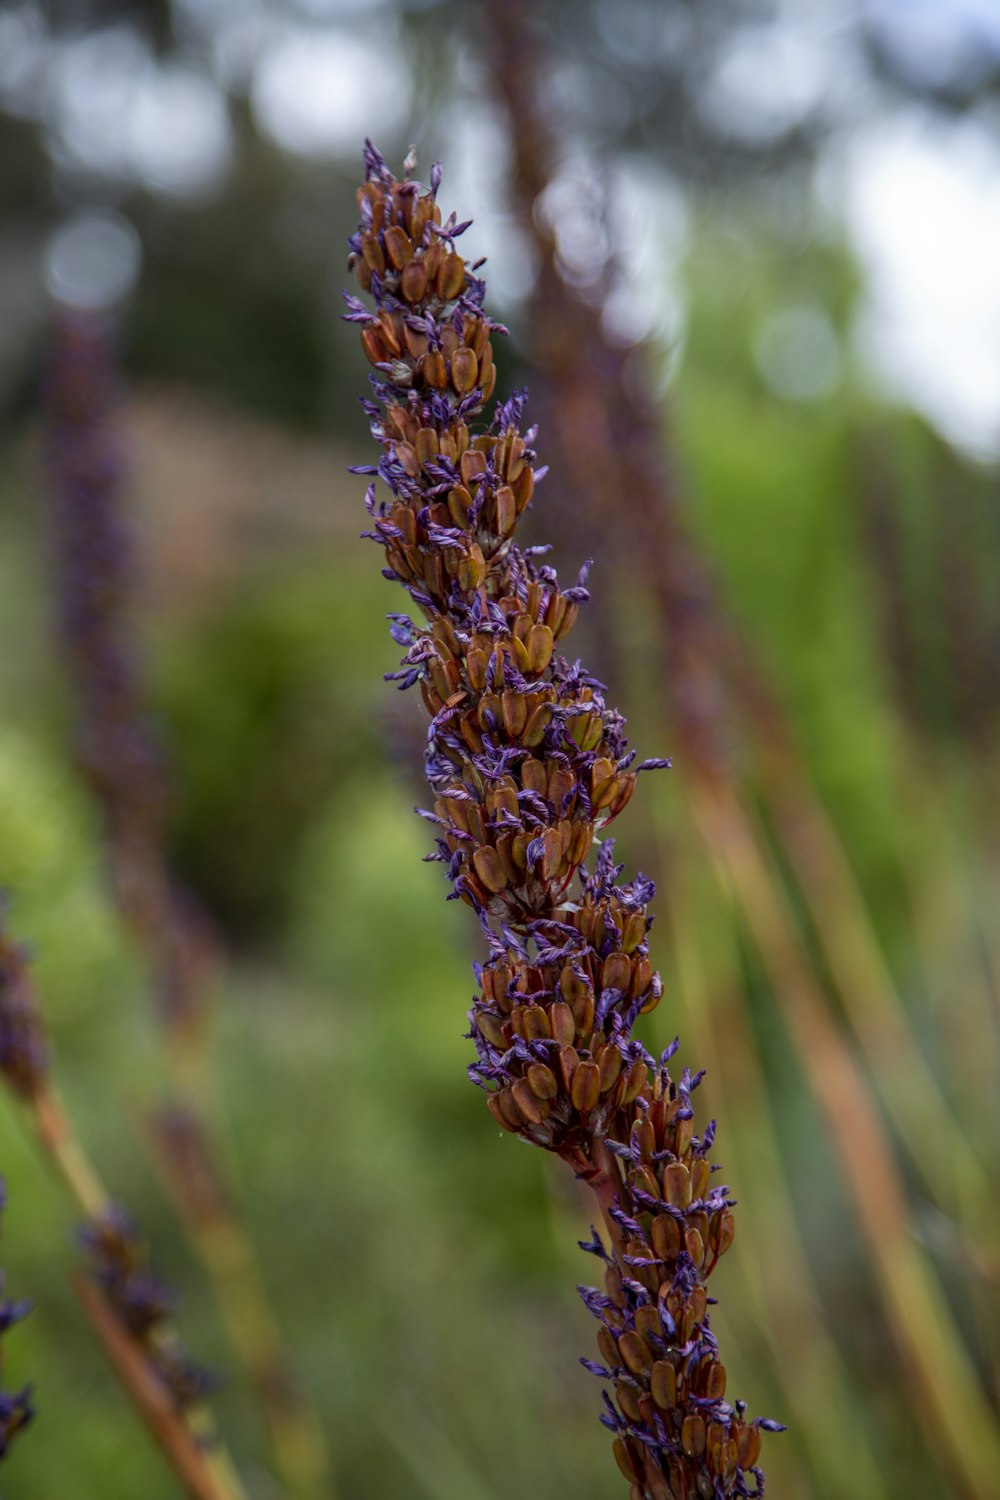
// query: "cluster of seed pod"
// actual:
[[528, 765], [552, 1025], [677, 1437], [527, 761], [529, 783]]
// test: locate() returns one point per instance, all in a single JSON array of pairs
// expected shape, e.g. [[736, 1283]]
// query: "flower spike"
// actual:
[[529, 765]]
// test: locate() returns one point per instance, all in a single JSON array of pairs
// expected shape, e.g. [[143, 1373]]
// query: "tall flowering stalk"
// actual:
[[129, 1307], [116, 743], [528, 765], [126, 770]]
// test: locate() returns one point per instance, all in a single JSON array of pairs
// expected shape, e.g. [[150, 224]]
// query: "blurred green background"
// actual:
[[716, 199]]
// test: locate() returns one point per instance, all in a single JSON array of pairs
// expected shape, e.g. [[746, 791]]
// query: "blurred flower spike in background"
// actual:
[[15, 1407]]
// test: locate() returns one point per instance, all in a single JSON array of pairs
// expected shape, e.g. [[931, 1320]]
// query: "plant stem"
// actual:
[[202, 1467], [934, 1358], [188, 1438]]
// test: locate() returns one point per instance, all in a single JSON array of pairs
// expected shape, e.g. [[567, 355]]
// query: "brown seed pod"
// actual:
[[434, 370], [523, 486], [655, 1480], [542, 1081], [372, 252], [647, 1322], [532, 1108], [536, 1023], [748, 1447], [583, 1013], [562, 1023], [489, 869], [491, 1027], [693, 1436], [609, 1068], [451, 277], [585, 1089], [539, 648], [616, 972], [505, 1110], [375, 351], [663, 1384], [715, 1381], [644, 1178], [695, 1247], [420, 217], [628, 1401], [534, 730], [569, 1061], [624, 1461], [677, 1184], [397, 246], [472, 569], [506, 511], [666, 1236], [721, 1232], [701, 1173], [608, 1348], [413, 282], [635, 1353], [473, 465]]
